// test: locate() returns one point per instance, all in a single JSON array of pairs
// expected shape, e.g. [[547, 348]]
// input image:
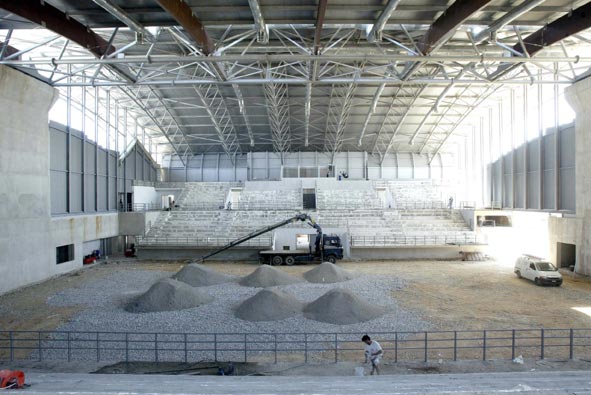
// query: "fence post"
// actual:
[[484, 345], [395, 347], [455, 345], [570, 346], [11, 337], [185, 338], [69, 347], [245, 356], [40, 346], [306, 347], [126, 347], [98, 348], [336, 348], [542, 343], [215, 347], [426, 346], [513, 344], [275, 347], [156, 347]]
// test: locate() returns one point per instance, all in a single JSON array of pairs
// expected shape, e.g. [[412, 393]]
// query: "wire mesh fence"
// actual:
[[292, 347]]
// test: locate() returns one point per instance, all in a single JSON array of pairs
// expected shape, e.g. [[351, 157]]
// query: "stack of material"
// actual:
[[199, 275], [167, 295], [342, 307], [269, 305], [328, 273], [267, 276]]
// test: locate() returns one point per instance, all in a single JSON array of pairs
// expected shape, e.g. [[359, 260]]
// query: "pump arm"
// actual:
[[299, 217]]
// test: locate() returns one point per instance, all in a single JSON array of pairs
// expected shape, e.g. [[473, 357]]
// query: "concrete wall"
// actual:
[[564, 230], [79, 230], [578, 96], [28, 253]]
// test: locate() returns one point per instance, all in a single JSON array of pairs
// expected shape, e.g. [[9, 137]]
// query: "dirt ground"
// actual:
[[452, 295]]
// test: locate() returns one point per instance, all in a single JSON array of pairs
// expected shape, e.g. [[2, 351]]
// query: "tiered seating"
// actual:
[[349, 194], [203, 195], [270, 195]]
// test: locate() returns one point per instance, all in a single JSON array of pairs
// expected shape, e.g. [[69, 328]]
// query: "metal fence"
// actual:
[[156, 241], [292, 347], [404, 241]]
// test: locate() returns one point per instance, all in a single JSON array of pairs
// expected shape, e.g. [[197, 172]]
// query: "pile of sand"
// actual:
[[166, 295], [342, 307], [201, 276], [268, 276], [328, 273], [269, 305]]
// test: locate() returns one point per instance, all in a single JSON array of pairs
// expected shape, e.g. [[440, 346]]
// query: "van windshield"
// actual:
[[545, 267]]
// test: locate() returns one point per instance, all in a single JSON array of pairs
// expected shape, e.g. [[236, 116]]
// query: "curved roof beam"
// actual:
[[259, 22], [319, 22], [445, 26], [51, 18], [183, 14], [506, 19], [376, 31], [119, 13]]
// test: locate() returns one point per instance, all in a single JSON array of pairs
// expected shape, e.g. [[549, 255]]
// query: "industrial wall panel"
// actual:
[[112, 193], [533, 190], [177, 175], [76, 194], [567, 147], [59, 186], [508, 163], [519, 159], [549, 190], [549, 156], [58, 149], [102, 193], [497, 182], [89, 197], [519, 191], [373, 173], [194, 175], [102, 162], [210, 160], [226, 174], [259, 174], [507, 190], [275, 173], [75, 155], [210, 175], [421, 172], [129, 167], [533, 156], [405, 172], [139, 159], [567, 189], [89, 157], [388, 172]]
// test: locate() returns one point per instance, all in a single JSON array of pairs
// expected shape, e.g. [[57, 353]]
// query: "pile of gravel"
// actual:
[[167, 295], [342, 307], [268, 276], [328, 273], [201, 276], [270, 304]]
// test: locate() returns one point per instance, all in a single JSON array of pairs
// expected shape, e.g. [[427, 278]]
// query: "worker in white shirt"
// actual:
[[373, 352]]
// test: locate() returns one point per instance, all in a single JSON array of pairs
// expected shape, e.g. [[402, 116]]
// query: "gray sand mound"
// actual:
[[342, 307], [269, 305], [328, 273], [201, 276], [166, 295], [268, 276]]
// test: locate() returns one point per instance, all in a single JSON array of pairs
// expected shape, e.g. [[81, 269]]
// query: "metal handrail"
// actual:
[[334, 346], [394, 241], [263, 241]]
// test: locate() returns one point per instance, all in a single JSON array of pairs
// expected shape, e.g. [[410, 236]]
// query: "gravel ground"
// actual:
[[104, 301]]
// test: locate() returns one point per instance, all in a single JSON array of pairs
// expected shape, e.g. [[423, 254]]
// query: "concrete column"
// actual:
[[25, 238], [578, 96]]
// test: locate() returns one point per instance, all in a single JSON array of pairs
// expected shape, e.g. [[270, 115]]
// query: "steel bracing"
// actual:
[[382, 78]]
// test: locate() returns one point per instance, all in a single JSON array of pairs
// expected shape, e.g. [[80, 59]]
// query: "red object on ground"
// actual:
[[12, 379], [89, 259]]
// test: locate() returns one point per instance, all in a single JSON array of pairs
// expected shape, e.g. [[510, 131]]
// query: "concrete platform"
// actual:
[[565, 382]]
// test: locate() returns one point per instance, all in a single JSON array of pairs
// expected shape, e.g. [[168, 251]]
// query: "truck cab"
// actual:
[[320, 248]]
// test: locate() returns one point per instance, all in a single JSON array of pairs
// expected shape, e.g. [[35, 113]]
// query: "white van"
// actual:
[[537, 270]]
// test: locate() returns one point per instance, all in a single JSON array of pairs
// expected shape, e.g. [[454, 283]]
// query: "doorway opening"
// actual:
[[567, 255]]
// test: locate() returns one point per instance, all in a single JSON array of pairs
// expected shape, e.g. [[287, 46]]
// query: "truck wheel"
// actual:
[[277, 260], [518, 274], [331, 259], [289, 260]]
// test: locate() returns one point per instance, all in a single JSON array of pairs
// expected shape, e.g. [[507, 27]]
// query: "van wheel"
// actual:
[[537, 281], [289, 260], [277, 260], [518, 273], [331, 259]]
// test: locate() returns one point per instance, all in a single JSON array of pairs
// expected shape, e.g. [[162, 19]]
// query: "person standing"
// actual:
[[451, 202], [373, 352]]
